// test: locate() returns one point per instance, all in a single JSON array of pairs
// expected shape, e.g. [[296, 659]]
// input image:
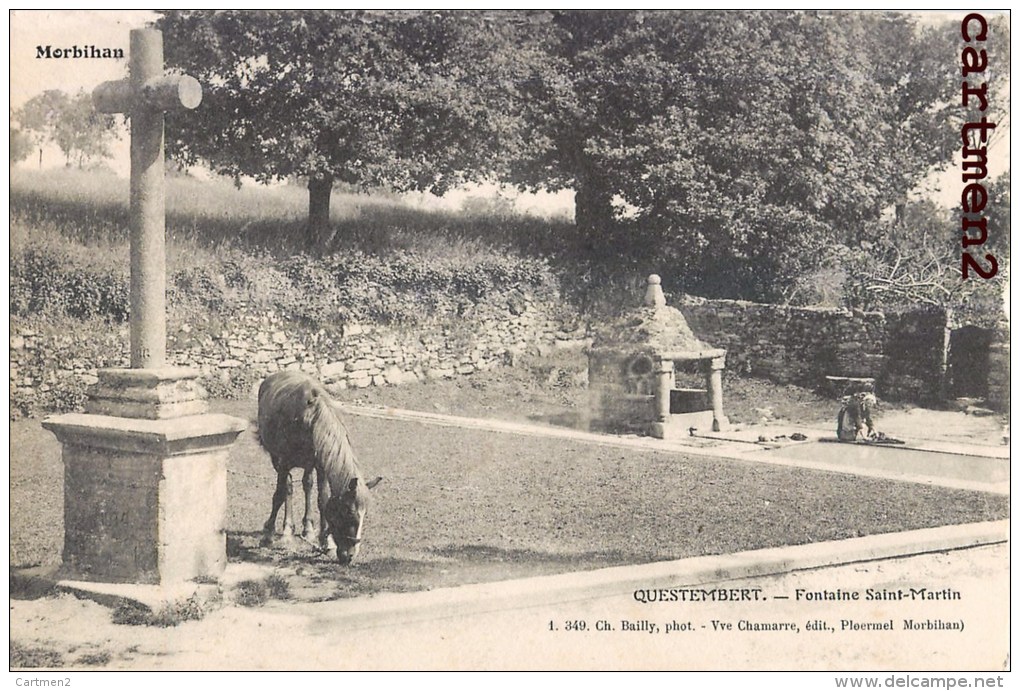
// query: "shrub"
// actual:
[[251, 593], [170, 614], [94, 659], [24, 656], [279, 588], [200, 284], [48, 280], [255, 593]]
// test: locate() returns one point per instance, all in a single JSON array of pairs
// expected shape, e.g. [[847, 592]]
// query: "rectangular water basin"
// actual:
[[894, 458]]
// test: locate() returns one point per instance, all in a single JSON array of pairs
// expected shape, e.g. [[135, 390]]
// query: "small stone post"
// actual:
[[663, 387], [145, 465], [716, 367]]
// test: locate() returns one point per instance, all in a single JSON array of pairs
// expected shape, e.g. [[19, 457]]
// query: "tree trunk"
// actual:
[[317, 232], [593, 212], [40, 158]]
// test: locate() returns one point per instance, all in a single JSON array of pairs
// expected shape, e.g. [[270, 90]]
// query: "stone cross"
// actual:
[[145, 466], [144, 96]]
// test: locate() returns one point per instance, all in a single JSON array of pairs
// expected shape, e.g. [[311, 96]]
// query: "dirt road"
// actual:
[[955, 603]]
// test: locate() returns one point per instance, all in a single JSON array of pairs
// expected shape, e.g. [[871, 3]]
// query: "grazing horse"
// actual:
[[300, 428]]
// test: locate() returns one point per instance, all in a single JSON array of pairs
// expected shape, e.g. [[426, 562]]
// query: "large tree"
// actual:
[[727, 147], [408, 100], [724, 149]]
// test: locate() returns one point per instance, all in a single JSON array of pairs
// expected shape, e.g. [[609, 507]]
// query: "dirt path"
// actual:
[[302, 636]]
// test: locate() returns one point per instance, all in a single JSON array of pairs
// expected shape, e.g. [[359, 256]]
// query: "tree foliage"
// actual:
[[21, 145], [727, 151], [72, 123], [39, 116], [405, 100], [724, 148], [82, 133], [916, 259]]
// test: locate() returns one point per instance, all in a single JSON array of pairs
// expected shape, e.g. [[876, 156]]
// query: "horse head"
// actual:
[[345, 517]]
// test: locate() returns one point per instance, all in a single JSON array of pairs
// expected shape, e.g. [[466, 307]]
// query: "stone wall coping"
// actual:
[[697, 301]]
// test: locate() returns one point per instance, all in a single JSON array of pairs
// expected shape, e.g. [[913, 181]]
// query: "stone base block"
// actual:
[[209, 593], [144, 500], [150, 394]]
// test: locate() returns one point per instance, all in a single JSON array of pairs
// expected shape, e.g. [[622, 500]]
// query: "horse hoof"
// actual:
[[280, 540], [288, 539]]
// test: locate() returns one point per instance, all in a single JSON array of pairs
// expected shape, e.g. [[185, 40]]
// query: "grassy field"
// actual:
[[461, 506], [86, 213], [208, 215]]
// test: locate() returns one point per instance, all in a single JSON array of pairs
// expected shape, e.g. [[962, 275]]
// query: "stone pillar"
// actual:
[[663, 387], [719, 420], [664, 380], [144, 96], [148, 211], [145, 467]]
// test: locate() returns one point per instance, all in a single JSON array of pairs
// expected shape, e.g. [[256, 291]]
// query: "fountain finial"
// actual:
[[653, 295]]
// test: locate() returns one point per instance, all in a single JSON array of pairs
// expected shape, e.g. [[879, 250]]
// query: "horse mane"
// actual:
[[331, 445]]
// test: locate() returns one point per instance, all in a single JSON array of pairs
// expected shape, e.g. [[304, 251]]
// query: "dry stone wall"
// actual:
[[904, 352], [998, 365], [361, 355], [240, 350]]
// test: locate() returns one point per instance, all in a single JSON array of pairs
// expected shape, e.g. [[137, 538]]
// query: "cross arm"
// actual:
[[162, 93]]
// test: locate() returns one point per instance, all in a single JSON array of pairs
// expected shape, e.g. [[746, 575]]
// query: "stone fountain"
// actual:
[[632, 374]]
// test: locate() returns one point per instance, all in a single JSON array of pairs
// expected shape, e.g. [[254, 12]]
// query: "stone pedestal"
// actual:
[[145, 490]]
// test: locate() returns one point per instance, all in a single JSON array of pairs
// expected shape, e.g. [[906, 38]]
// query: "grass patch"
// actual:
[[25, 656], [92, 208], [99, 659], [255, 593], [466, 506], [228, 250], [170, 614], [251, 593], [279, 588]]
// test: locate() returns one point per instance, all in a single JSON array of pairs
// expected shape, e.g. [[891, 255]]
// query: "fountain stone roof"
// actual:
[[655, 327]]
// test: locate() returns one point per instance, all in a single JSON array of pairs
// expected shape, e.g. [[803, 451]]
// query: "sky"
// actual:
[[31, 76], [110, 29], [30, 28]]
